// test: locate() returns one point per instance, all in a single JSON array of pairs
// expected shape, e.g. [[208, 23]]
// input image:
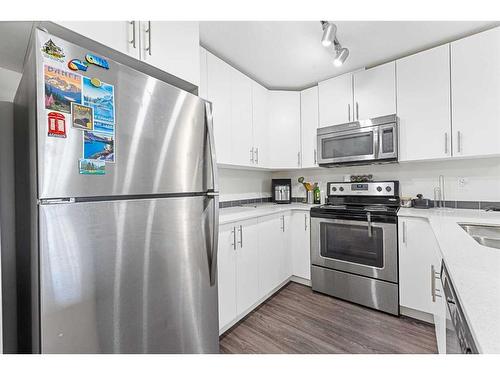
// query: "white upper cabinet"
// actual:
[[260, 97], [284, 129], [375, 92], [475, 94], [122, 36], [203, 88], [309, 125], [242, 149], [173, 46], [335, 100], [219, 93], [423, 97]]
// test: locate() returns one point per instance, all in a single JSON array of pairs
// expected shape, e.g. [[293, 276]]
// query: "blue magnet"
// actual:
[[97, 60]]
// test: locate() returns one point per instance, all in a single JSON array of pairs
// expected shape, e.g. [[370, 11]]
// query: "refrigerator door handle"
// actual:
[[210, 130], [212, 256]]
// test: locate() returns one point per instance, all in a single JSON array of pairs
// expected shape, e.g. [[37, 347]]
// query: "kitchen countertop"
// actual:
[[250, 211], [474, 269]]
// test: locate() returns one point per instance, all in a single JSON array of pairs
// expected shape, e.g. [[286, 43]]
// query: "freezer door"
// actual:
[[129, 277], [161, 143]]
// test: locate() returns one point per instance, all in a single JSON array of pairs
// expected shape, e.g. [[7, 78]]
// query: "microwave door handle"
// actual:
[[376, 143]]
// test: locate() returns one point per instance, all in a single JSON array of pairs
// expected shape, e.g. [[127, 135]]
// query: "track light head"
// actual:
[[329, 31], [340, 56]]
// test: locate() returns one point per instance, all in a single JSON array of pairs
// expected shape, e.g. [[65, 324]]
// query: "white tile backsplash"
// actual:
[[236, 184]]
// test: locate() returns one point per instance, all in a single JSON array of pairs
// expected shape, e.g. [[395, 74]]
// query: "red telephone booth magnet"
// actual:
[[57, 125]]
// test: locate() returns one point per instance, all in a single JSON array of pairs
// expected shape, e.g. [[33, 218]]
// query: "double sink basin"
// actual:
[[486, 235]]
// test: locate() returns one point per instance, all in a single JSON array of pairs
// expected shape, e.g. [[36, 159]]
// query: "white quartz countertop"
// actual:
[[474, 269], [231, 214]]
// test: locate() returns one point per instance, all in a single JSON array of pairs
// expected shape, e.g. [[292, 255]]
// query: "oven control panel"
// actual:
[[387, 188]]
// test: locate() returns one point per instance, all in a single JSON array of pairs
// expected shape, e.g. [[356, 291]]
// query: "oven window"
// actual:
[[348, 145], [351, 243], [388, 141]]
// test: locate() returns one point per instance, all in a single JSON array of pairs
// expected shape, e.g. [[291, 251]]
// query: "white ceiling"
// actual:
[[14, 38], [289, 55]]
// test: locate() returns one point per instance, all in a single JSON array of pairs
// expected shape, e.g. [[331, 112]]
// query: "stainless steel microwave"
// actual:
[[359, 142]]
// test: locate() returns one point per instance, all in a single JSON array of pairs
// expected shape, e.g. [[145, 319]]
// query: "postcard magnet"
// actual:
[[76, 64], [97, 60], [61, 89], [92, 167], [82, 117], [52, 51], [56, 125], [101, 99], [99, 146]]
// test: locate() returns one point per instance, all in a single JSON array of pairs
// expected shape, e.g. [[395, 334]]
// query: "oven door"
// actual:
[[348, 146], [352, 246]]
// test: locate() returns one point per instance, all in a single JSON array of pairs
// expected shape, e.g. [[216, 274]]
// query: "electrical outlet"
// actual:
[[462, 182]]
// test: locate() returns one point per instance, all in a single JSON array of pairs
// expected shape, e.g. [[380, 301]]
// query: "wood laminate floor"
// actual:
[[300, 321]]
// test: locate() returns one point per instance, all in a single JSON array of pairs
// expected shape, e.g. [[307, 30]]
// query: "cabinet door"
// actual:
[[241, 119], [247, 265], [260, 125], [203, 88], [174, 47], [423, 92], [270, 244], [375, 92], [285, 247], [309, 125], [219, 93], [284, 129], [335, 100], [418, 258], [475, 94], [300, 246], [118, 35], [226, 272]]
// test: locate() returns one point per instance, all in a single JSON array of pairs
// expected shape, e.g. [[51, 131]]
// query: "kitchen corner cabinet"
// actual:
[[284, 129], [335, 97], [475, 94], [300, 245], [375, 91], [419, 266], [172, 46], [423, 97], [309, 126]]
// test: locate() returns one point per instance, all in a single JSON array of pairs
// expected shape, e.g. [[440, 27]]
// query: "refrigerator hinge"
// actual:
[[56, 201]]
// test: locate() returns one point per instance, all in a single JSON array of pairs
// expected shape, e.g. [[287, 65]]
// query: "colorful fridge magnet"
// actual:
[[76, 64], [56, 125], [101, 99], [93, 167], [82, 117], [96, 82], [61, 89], [52, 51], [104, 127], [99, 146], [96, 60]]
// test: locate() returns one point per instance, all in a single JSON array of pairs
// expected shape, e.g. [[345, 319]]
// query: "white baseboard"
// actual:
[[300, 280], [416, 314]]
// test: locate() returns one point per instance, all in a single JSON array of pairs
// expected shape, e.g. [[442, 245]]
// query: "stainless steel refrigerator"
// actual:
[[122, 261]]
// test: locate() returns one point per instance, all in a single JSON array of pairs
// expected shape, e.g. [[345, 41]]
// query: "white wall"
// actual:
[[9, 81], [237, 184], [482, 178]]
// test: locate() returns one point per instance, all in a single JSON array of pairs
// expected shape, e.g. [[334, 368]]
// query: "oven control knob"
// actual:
[[388, 188], [341, 188], [379, 188], [334, 188]]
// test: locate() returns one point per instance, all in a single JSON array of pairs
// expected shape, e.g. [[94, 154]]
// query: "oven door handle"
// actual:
[[369, 220]]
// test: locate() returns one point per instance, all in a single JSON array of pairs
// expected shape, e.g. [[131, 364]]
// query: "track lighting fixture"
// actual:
[[329, 38]]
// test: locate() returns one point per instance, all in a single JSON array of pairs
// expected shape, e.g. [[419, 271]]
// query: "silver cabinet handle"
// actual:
[[241, 236], [349, 112], [459, 141], [315, 157], [357, 111], [434, 275], [369, 219], [233, 232], [148, 31], [256, 155], [404, 232], [133, 41], [305, 221], [446, 143], [298, 158], [282, 223], [251, 155]]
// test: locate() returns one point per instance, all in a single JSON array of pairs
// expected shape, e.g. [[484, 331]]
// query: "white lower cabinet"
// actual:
[[257, 256]]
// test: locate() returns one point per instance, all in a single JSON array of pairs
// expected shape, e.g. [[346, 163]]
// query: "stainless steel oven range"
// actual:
[[354, 246]]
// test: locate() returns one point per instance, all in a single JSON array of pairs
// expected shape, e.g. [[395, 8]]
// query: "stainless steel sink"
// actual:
[[486, 235]]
